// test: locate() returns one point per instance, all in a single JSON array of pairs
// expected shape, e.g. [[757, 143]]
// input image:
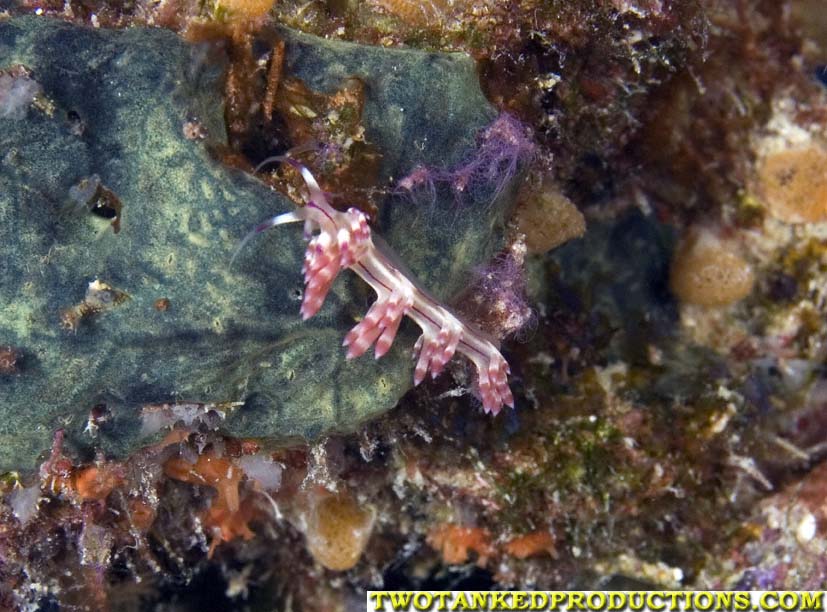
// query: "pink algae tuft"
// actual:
[[504, 146], [496, 298]]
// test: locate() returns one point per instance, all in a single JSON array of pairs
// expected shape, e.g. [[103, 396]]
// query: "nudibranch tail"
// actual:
[[342, 240]]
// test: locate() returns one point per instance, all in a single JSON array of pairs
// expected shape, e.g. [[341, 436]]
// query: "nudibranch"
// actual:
[[339, 240]]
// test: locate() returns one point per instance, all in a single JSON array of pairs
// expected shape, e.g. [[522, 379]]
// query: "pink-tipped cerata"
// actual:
[[339, 240]]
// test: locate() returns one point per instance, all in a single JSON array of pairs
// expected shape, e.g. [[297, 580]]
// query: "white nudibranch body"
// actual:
[[338, 240]]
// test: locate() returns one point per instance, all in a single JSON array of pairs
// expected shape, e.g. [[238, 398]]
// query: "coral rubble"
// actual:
[[628, 195]]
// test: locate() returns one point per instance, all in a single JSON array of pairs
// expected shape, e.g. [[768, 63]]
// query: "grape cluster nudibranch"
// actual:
[[339, 240]]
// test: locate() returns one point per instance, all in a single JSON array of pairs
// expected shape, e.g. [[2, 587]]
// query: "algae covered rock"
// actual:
[[153, 312]]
